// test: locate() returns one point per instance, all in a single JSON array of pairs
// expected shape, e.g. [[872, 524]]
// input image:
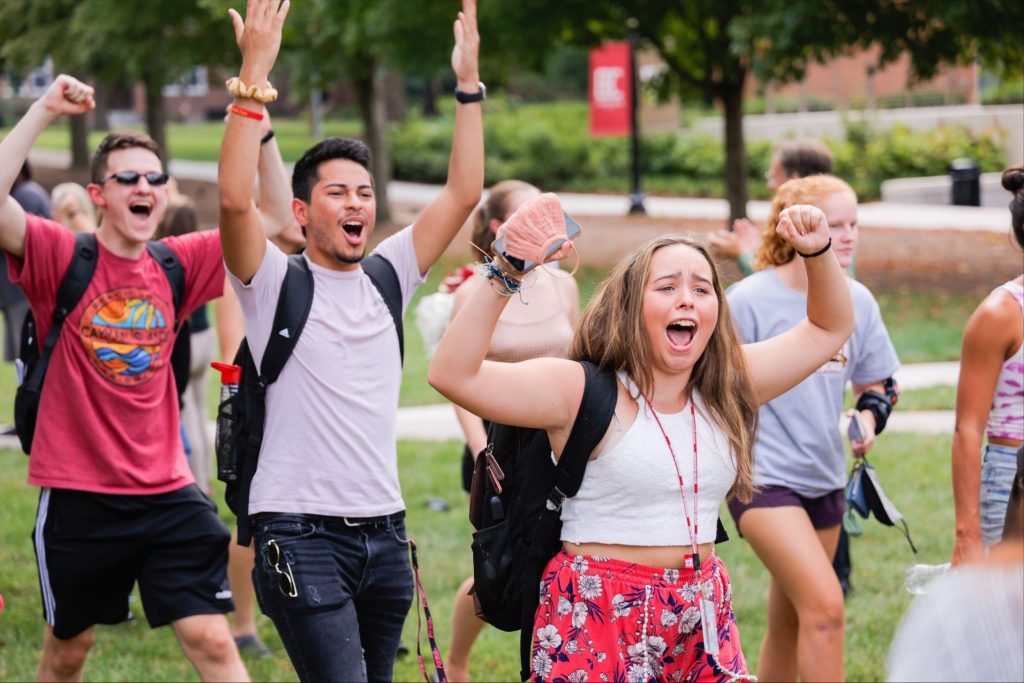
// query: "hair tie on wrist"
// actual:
[[819, 252], [267, 137], [237, 88]]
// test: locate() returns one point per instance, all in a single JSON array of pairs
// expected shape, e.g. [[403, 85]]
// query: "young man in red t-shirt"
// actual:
[[118, 503]]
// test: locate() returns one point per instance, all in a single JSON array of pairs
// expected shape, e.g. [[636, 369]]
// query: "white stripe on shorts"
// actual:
[[49, 608]]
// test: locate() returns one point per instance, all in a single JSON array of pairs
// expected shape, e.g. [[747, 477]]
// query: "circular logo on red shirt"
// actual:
[[126, 335]]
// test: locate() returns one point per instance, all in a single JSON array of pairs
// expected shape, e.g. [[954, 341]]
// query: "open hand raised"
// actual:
[[259, 36], [68, 96], [466, 53], [804, 227]]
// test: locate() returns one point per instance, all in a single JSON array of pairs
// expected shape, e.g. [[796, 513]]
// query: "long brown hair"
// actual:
[[497, 206], [774, 251], [612, 334]]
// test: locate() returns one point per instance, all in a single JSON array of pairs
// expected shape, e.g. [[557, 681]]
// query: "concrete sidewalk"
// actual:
[[438, 423], [871, 215]]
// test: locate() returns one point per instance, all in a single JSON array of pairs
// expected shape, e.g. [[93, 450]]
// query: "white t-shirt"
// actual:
[[329, 440]]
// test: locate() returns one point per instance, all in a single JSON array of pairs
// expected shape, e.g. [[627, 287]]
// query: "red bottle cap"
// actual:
[[229, 374]]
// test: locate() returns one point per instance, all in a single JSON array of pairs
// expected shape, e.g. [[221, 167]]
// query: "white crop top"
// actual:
[[630, 492]]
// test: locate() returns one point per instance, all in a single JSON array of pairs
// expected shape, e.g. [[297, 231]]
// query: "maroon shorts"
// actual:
[[825, 511]]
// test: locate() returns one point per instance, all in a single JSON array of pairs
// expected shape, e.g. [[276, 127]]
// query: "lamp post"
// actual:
[[636, 197]]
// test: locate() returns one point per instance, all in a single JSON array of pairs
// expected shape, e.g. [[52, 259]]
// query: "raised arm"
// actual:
[[778, 364], [437, 225], [241, 225], [275, 190], [542, 393], [65, 96], [987, 338]]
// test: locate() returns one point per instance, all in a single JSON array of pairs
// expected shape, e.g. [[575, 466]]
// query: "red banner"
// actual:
[[610, 86]]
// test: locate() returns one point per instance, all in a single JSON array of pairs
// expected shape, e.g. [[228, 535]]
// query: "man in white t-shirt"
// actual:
[[332, 567]]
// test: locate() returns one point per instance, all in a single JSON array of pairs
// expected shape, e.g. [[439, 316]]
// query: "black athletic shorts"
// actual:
[[91, 548]]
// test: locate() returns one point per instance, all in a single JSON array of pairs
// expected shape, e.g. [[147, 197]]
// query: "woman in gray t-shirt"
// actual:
[[793, 522]]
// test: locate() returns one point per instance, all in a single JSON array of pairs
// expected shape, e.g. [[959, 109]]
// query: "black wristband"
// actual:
[[879, 404], [267, 137], [819, 252]]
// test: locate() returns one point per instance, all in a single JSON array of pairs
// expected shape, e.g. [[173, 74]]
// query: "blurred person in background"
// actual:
[[73, 208], [990, 404], [791, 159], [794, 520], [538, 324]]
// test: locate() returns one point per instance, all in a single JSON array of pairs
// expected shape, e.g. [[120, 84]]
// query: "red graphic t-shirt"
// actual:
[[108, 415]]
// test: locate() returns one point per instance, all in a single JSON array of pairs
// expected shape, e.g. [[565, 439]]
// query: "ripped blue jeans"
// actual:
[[337, 592]]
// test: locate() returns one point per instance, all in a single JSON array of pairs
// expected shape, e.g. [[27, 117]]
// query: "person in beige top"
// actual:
[[539, 323]]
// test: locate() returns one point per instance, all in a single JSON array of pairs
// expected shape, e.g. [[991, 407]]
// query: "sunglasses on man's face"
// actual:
[[132, 177]]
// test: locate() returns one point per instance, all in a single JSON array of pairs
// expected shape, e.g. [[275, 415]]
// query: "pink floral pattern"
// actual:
[[601, 619]]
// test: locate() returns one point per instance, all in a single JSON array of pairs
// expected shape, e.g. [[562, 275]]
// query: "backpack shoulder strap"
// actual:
[[595, 413], [293, 306], [175, 272], [383, 276], [72, 286]]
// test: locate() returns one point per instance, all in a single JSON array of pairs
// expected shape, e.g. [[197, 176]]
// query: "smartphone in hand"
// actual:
[[856, 430], [572, 231]]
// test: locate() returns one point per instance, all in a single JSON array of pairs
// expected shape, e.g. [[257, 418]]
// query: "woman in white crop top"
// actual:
[[619, 601], [990, 404]]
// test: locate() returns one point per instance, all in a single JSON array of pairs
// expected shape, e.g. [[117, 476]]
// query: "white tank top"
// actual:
[[630, 492]]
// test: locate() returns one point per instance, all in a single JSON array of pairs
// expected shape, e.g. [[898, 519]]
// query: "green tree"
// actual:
[[154, 43], [710, 47]]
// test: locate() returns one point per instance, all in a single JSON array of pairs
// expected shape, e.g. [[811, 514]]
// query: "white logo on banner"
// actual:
[[608, 87]]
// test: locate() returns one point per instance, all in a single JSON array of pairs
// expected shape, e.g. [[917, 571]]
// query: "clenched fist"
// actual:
[[804, 227]]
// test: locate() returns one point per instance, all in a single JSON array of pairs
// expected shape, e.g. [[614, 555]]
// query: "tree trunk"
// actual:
[[430, 88], [156, 116], [79, 142], [372, 109], [316, 114], [735, 151], [101, 115]]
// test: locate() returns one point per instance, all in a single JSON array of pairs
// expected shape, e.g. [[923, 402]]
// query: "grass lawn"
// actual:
[[201, 141], [913, 468]]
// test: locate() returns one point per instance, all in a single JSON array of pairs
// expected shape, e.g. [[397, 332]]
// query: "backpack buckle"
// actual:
[[555, 500]]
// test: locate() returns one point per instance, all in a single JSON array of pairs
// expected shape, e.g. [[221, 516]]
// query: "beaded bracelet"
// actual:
[[239, 89], [819, 252], [503, 283]]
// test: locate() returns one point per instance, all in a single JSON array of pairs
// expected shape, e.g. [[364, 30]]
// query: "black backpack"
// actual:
[[519, 526], [35, 359], [241, 417], [515, 503]]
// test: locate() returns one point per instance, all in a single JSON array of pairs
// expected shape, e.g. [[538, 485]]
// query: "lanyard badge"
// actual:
[[705, 594]]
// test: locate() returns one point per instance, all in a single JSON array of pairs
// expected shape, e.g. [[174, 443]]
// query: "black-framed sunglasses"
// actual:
[[285, 579], [132, 177]]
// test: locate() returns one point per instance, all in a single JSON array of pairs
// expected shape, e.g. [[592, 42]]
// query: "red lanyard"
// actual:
[[690, 526]]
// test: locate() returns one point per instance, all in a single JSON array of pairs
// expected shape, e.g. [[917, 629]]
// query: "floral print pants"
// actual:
[[601, 619]]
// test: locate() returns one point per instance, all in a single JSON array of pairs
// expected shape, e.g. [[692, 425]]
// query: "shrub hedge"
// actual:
[[550, 145]]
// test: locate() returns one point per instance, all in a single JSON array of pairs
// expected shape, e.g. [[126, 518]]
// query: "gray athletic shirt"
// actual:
[[329, 443], [799, 445]]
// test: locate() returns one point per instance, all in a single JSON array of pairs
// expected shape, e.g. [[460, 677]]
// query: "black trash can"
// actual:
[[966, 187]]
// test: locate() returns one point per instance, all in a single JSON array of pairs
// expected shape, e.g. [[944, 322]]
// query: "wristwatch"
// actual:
[[467, 97]]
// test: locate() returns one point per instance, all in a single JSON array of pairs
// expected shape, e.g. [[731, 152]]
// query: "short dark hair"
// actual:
[[306, 172], [802, 158], [120, 139]]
